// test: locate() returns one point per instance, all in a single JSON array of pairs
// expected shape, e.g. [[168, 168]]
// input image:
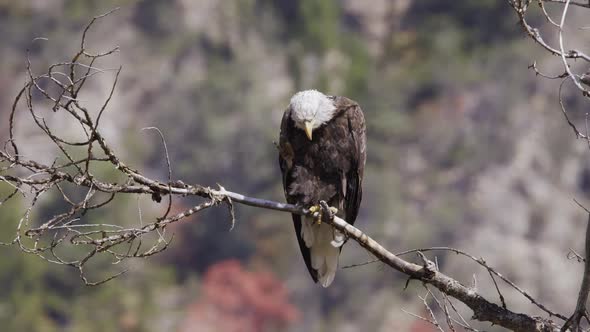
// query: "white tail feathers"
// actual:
[[324, 245], [307, 232]]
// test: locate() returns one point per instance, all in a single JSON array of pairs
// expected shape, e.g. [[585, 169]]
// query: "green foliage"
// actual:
[[359, 71], [480, 21], [42, 297], [78, 11], [320, 24]]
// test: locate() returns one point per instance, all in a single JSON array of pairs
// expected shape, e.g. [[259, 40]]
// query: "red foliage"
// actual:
[[236, 300], [420, 325]]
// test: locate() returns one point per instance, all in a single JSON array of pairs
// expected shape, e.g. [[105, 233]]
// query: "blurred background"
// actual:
[[466, 148]]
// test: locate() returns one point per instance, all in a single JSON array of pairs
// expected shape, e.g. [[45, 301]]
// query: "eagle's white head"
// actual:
[[311, 109]]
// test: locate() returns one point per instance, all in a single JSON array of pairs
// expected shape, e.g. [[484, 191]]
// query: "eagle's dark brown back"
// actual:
[[329, 168]]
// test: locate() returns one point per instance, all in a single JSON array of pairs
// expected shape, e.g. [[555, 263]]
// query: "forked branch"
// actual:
[[567, 55]]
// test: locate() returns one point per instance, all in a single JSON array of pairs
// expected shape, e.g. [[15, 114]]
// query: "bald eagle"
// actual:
[[322, 153]]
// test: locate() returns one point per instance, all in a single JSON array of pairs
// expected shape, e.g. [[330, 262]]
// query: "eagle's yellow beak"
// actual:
[[308, 128]]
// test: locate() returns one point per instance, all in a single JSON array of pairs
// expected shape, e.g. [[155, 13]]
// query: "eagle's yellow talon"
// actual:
[[316, 213], [315, 208]]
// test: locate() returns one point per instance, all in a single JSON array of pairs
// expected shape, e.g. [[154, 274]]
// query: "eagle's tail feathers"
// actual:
[[327, 278], [324, 254], [331, 265], [307, 232]]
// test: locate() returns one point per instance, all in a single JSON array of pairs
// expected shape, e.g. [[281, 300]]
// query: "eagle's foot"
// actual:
[[329, 212], [321, 211], [314, 209], [316, 213], [333, 212]]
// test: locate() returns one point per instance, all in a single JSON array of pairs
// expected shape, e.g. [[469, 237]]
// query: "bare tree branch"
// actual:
[[573, 322], [565, 54], [581, 83]]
